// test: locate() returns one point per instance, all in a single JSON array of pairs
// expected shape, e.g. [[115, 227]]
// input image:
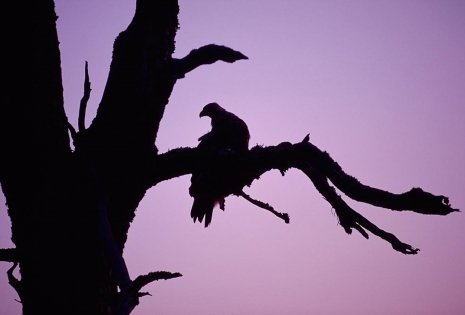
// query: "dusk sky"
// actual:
[[379, 85]]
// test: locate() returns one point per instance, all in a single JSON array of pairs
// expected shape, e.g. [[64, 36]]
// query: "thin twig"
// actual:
[[84, 100], [263, 205]]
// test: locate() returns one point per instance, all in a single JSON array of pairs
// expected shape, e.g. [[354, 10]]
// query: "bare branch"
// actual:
[[128, 299], [143, 280], [263, 205], [349, 218], [415, 200], [259, 160], [318, 166], [73, 132], [13, 281], [172, 164], [205, 55], [84, 100]]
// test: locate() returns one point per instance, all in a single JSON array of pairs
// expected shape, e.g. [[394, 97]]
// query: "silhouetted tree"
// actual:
[[71, 210]]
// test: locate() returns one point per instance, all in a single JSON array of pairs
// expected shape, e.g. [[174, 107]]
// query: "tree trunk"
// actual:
[[53, 224], [58, 200], [71, 210]]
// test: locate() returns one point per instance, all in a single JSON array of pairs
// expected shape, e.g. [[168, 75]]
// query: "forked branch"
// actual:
[[349, 218], [128, 299], [319, 168]]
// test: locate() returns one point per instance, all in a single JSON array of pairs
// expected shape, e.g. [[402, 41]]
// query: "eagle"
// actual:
[[229, 135]]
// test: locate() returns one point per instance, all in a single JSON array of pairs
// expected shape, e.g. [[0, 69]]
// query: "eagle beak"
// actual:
[[202, 114]]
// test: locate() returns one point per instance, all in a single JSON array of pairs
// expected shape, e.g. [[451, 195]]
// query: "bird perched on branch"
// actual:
[[229, 135]]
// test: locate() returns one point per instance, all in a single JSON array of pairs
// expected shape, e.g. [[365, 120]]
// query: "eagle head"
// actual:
[[211, 110]]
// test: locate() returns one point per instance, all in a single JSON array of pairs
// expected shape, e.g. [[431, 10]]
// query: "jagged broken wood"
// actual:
[[319, 168]]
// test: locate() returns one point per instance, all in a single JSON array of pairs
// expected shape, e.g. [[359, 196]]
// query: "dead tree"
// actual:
[[71, 210]]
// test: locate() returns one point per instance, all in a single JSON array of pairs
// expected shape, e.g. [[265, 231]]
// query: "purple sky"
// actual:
[[380, 85]]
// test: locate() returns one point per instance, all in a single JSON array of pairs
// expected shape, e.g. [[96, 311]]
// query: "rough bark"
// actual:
[[71, 211]]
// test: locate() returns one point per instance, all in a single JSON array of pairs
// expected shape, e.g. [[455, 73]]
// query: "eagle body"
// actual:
[[228, 134]]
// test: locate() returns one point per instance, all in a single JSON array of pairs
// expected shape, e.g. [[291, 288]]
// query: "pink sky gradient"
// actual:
[[380, 85]]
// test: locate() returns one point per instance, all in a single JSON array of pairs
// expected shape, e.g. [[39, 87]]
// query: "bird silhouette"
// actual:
[[229, 135]]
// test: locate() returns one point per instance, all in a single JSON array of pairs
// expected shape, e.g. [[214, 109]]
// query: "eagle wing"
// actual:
[[228, 133]]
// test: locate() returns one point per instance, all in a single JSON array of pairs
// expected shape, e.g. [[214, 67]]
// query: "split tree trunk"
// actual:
[[54, 195]]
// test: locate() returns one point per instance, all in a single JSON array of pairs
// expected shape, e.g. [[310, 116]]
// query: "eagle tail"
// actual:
[[202, 207]]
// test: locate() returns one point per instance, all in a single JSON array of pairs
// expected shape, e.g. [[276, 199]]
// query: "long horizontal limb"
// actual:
[[318, 166]]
